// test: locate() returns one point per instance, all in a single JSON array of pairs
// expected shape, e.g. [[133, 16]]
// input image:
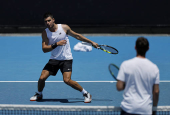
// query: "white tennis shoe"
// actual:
[[87, 98], [36, 97]]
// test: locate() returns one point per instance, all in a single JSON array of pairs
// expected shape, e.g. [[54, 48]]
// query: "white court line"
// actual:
[[62, 81]]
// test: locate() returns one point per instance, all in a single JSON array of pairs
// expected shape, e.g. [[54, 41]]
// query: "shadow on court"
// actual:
[[71, 100]]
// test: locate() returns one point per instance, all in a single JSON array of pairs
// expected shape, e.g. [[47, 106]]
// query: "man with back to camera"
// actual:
[[139, 78], [55, 40]]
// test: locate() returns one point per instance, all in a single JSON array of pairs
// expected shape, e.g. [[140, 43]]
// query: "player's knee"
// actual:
[[42, 78], [44, 75], [67, 81]]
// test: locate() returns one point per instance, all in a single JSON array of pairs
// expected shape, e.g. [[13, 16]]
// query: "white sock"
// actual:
[[40, 93], [84, 91]]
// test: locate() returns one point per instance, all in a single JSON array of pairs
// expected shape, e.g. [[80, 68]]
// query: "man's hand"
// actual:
[[62, 42], [95, 45]]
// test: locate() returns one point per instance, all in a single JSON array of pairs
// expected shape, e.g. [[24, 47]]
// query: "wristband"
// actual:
[[53, 45]]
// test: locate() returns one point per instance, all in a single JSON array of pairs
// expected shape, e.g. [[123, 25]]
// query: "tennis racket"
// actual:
[[114, 69], [108, 49]]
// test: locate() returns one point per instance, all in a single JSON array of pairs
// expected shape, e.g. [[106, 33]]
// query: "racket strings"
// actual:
[[113, 70], [109, 49]]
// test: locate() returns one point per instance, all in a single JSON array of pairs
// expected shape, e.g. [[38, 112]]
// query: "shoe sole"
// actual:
[[37, 99], [90, 100]]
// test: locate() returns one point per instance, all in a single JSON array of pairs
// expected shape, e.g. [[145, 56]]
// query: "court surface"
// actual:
[[22, 60]]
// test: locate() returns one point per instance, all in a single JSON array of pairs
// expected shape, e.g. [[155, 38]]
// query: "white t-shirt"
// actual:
[[60, 52], [139, 75]]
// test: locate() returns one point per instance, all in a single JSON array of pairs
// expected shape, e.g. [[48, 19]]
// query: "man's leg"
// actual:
[[41, 84], [68, 81], [75, 85]]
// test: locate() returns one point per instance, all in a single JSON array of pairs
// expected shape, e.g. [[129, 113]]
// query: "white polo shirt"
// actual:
[[139, 75]]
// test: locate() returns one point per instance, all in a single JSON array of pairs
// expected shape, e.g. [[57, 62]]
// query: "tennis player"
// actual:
[[139, 78], [55, 40]]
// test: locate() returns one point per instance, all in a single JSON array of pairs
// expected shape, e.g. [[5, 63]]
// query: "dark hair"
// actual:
[[48, 14], [142, 45]]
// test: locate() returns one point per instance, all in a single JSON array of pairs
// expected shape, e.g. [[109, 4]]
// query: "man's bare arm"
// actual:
[[78, 36], [155, 94]]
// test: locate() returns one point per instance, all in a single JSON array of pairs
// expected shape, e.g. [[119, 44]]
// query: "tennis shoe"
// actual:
[[36, 97], [87, 98]]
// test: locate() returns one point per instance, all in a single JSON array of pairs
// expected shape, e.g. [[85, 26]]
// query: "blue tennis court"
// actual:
[[22, 61]]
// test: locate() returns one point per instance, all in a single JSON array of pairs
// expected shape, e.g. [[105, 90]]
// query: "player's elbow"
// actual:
[[77, 36], [156, 92], [45, 51], [156, 89]]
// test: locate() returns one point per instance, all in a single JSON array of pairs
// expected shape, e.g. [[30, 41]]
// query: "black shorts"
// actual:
[[54, 65]]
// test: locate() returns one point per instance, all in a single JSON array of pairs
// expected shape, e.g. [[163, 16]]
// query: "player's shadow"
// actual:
[[60, 100], [70, 100]]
